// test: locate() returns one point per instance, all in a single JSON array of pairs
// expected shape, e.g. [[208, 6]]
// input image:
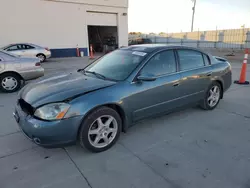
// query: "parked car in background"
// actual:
[[139, 41], [28, 50], [93, 105], [15, 69]]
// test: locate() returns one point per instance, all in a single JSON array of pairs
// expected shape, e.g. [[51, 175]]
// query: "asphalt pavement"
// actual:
[[192, 148]]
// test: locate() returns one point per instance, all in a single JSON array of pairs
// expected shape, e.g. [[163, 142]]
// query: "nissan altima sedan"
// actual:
[[95, 104], [15, 69]]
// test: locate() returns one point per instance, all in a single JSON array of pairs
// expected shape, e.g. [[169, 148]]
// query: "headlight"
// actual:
[[54, 111]]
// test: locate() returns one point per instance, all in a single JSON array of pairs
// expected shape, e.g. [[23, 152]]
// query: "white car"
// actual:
[[28, 50], [14, 70]]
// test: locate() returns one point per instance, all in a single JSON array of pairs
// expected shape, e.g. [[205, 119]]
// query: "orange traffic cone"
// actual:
[[91, 52], [243, 73]]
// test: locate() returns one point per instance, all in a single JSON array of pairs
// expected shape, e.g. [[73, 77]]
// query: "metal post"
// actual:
[[216, 38], [243, 31], [192, 26]]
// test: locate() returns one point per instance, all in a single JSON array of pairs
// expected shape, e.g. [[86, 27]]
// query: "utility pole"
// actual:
[[192, 26]]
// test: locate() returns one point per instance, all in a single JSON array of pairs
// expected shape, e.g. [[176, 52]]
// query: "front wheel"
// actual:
[[10, 82], [100, 129], [212, 97]]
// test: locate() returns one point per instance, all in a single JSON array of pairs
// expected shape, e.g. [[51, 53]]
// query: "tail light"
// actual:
[[38, 64], [47, 49]]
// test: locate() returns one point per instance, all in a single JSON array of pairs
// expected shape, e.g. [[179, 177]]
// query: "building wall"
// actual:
[[58, 25]]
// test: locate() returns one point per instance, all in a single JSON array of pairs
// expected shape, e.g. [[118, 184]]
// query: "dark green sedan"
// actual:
[[95, 104]]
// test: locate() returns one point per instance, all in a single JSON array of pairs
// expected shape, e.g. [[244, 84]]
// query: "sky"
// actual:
[[176, 15]]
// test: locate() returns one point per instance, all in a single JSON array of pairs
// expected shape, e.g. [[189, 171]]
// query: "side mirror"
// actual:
[[146, 78]]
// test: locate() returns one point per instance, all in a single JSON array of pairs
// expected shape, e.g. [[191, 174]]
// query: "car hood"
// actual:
[[60, 87]]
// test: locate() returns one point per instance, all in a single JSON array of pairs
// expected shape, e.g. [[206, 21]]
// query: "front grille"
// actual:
[[26, 107]]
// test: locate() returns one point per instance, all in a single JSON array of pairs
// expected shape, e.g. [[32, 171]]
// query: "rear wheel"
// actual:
[[10, 82], [41, 57], [212, 97], [100, 130]]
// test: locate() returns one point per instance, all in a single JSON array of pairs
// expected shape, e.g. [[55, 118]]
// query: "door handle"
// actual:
[[176, 84], [209, 74]]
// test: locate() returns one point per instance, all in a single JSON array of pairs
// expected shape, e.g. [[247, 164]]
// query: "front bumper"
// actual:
[[49, 133]]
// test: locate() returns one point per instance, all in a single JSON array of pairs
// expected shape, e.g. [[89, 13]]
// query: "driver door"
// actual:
[[159, 94]]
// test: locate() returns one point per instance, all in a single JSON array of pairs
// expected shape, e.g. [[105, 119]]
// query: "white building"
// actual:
[[62, 25]]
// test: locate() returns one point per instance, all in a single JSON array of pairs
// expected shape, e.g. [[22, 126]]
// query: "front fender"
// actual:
[[84, 104]]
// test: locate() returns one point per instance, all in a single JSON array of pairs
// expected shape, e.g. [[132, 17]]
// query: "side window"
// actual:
[[161, 63], [190, 59], [28, 47], [21, 47], [206, 60]]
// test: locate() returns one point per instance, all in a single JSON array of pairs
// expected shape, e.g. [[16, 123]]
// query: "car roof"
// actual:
[[31, 44], [148, 48]]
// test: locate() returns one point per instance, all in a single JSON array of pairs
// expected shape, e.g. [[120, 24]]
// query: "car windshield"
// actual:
[[117, 65]]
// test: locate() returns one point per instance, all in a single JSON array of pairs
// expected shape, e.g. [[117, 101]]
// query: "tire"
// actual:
[[12, 79], [42, 57], [93, 128], [215, 97]]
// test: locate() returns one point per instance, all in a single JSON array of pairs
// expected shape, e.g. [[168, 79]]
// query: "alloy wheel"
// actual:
[[41, 58], [102, 131], [214, 96]]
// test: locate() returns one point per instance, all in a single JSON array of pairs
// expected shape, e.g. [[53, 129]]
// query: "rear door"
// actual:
[[10, 62], [1, 63], [196, 72]]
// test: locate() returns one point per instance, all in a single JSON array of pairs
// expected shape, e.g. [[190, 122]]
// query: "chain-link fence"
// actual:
[[222, 39]]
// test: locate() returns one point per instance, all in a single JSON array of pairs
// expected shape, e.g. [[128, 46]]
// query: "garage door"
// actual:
[[101, 19]]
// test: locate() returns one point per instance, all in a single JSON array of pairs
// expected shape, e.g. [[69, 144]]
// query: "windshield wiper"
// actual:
[[97, 74]]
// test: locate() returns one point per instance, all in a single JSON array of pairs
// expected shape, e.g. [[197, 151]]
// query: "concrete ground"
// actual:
[[187, 149]]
